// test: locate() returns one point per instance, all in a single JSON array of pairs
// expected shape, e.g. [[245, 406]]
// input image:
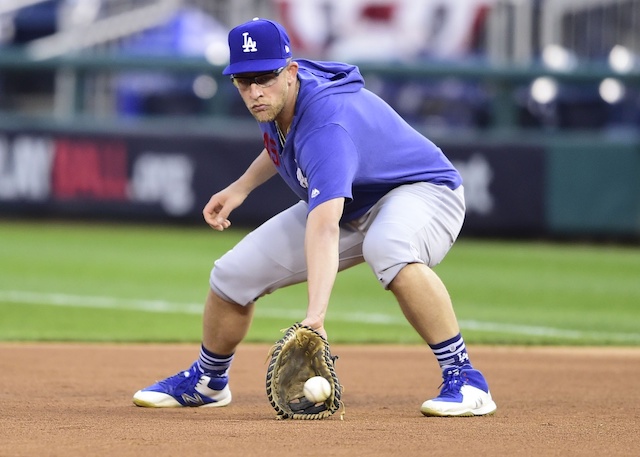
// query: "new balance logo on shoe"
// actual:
[[195, 400], [477, 403]]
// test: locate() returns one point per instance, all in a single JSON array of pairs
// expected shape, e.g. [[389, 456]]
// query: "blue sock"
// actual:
[[452, 353], [215, 366]]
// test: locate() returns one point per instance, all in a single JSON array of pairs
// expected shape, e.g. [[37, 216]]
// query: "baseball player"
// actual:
[[372, 189]]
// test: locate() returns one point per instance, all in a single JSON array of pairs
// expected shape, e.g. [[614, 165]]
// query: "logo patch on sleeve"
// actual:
[[302, 179]]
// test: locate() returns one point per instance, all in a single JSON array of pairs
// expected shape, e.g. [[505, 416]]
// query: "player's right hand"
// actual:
[[216, 212], [213, 218]]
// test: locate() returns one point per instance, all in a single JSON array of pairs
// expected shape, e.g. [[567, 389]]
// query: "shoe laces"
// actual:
[[452, 382], [182, 382]]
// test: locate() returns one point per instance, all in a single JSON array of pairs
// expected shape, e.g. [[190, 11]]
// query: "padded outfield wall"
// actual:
[[544, 186]]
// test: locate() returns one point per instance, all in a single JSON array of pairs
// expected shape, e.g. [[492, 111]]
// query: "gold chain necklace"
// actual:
[[281, 135]]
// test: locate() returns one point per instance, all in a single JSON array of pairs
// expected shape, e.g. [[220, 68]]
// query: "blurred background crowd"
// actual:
[[595, 41]]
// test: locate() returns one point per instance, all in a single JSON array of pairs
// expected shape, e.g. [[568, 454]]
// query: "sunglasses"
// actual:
[[262, 80]]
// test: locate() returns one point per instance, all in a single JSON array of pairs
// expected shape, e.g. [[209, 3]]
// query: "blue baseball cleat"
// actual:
[[464, 393], [187, 388]]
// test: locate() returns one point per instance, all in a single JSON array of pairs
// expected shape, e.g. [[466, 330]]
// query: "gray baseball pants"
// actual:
[[412, 223]]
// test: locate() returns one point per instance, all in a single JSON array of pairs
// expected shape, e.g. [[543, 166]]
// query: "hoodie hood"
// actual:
[[319, 79]]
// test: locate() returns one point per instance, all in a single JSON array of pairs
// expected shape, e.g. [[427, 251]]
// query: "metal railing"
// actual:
[[502, 82], [84, 87], [519, 30]]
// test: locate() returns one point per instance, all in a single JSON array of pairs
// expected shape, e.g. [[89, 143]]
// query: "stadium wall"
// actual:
[[537, 188]]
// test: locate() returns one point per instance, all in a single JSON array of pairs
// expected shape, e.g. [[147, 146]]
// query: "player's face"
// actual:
[[264, 94]]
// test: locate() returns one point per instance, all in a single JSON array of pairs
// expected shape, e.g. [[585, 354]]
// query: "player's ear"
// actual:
[[292, 72]]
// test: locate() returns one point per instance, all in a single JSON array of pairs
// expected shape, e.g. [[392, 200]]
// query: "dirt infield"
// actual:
[[75, 400]]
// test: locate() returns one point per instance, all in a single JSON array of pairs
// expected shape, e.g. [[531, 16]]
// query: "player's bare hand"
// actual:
[[214, 216], [218, 223], [317, 325], [216, 211]]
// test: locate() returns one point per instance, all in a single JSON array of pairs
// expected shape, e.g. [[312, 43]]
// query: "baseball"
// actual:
[[317, 389]]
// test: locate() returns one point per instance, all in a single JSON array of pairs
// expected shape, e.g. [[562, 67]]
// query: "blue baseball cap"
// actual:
[[257, 46]]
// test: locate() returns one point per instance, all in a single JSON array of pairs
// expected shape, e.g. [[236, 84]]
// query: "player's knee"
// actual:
[[386, 256], [381, 249], [228, 286]]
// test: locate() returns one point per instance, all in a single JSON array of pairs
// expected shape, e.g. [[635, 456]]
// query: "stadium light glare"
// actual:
[[558, 58], [205, 87], [612, 90], [621, 59], [217, 52], [544, 90]]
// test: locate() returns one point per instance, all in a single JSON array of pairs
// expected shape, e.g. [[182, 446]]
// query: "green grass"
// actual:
[[111, 282]]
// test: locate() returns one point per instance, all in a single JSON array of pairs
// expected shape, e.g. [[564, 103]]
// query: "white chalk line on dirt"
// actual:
[[161, 306]]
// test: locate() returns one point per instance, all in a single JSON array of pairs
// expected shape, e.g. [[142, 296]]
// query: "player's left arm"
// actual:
[[322, 238]]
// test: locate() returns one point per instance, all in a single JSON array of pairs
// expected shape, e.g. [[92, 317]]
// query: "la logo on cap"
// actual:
[[244, 54], [249, 45]]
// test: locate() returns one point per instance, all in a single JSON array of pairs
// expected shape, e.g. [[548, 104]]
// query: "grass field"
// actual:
[[124, 283]]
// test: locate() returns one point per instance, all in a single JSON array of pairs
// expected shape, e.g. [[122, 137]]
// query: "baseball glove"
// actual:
[[301, 354]]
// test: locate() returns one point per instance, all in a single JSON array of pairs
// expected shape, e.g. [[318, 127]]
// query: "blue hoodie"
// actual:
[[347, 142]]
